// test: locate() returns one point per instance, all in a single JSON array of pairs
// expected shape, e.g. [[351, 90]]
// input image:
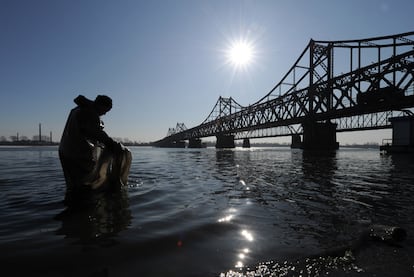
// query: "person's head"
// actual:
[[103, 104]]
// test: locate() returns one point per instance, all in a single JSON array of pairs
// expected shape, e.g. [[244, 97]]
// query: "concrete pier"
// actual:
[[195, 143], [319, 136], [402, 135], [246, 143], [172, 144], [225, 141], [296, 141]]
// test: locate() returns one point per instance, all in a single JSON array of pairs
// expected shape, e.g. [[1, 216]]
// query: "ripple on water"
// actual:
[[205, 211]]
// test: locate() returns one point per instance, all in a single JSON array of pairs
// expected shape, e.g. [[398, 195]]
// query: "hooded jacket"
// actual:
[[83, 129]]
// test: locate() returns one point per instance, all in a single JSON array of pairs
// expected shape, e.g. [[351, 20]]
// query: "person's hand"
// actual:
[[115, 147], [118, 147]]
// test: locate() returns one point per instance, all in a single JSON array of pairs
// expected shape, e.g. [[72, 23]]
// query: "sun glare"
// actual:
[[240, 53]]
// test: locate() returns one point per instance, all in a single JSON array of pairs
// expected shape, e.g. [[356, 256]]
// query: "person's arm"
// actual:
[[91, 129]]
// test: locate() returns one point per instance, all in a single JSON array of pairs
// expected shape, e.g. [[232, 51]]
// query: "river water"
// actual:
[[208, 212]]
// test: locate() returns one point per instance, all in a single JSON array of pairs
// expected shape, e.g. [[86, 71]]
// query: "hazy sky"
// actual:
[[163, 62]]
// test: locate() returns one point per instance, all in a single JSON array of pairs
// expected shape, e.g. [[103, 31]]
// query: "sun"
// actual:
[[240, 53]]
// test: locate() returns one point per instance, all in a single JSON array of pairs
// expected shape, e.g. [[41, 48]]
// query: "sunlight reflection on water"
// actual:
[[200, 212]]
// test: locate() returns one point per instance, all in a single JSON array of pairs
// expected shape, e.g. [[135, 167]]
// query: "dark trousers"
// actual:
[[75, 172]]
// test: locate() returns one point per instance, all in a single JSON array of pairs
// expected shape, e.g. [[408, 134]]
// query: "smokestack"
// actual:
[[40, 132], [50, 136]]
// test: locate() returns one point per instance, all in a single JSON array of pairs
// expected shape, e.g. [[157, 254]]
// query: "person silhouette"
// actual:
[[83, 132]]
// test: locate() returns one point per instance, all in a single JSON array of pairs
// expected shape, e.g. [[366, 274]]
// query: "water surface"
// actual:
[[208, 212]]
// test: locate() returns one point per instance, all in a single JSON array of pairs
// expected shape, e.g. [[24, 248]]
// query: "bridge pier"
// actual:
[[296, 141], [195, 143], [225, 141], [319, 136], [402, 136], [246, 143], [171, 144], [177, 144]]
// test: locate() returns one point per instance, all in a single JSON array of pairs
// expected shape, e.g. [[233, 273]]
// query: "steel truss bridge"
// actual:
[[356, 84]]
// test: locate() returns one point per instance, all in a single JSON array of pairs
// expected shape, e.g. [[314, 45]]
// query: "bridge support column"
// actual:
[[195, 143], [171, 144], [296, 141], [402, 136], [319, 136], [246, 143], [225, 141]]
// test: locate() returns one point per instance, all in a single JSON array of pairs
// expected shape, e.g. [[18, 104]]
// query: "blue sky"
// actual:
[[163, 62]]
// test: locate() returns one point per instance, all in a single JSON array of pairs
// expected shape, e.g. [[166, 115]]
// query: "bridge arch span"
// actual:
[[351, 84]]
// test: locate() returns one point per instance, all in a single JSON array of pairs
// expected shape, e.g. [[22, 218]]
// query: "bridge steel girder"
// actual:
[[376, 91]]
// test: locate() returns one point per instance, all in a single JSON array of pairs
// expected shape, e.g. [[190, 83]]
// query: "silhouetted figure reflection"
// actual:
[[78, 149], [98, 220]]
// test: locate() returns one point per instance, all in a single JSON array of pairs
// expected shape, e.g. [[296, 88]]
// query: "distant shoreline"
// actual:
[[46, 143], [149, 144], [27, 143]]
